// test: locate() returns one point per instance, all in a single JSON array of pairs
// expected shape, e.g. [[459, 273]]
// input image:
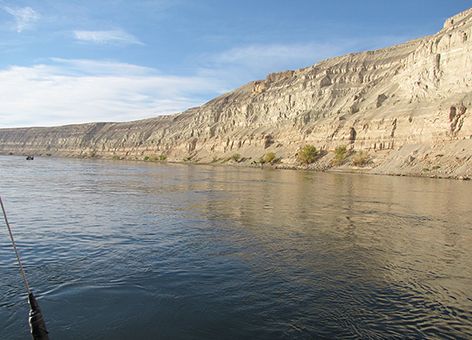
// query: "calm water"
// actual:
[[118, 250]]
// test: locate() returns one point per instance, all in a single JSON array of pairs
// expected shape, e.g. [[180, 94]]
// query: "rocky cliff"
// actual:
[[408, 107]]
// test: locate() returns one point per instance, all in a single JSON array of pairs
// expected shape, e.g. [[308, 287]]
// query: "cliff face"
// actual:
[[409, 106]]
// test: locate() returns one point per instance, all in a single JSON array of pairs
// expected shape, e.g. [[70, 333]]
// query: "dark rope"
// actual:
[[22, 271], [36, 321]]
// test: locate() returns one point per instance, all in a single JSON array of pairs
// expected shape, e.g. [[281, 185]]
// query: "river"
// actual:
[[129, 250]]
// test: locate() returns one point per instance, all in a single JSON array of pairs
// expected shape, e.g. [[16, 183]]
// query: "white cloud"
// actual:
[[273, 55], [107, 37], [242, 64], [101, 67], [66, 92], [25, 17], [82, 90], [278, 57]]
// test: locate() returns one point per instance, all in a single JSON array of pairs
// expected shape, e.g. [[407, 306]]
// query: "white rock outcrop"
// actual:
[[409, 106]]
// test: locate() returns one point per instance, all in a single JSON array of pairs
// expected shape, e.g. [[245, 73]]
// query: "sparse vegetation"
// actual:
[[361, 158], [436, 167], [159, 158], [269, 157], [116, 158], [340, 155], [307, 154], [236, 157]]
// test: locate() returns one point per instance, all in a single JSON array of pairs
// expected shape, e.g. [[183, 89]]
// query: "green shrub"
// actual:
[[269, 157], [361, 158], [307, 155], [155, 158], [340, 155], [236, 157]]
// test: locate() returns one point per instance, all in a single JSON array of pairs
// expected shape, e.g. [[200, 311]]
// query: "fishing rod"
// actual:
[[36, 321]]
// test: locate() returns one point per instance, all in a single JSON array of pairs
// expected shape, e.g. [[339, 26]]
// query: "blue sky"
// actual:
[[70, 61]]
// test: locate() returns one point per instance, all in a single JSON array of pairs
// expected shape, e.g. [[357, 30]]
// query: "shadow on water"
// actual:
[[123, 250]]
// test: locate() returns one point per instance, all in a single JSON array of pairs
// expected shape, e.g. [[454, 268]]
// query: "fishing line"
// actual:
[[22, 271], [36, 321]]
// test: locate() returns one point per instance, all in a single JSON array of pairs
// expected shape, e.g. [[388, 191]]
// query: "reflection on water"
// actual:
[[120, 250]]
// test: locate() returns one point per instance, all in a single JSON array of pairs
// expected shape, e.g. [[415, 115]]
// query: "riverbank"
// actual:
[[322, 164]]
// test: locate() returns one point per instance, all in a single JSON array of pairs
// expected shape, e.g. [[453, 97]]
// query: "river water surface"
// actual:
[[118, 250]]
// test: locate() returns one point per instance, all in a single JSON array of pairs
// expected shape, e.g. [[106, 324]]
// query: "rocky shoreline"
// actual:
[[368, 170]]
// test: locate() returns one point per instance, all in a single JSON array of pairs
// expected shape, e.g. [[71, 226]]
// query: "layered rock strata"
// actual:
[[408, 106]]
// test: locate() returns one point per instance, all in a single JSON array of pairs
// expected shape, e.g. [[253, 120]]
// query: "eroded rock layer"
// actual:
[[408, 106]]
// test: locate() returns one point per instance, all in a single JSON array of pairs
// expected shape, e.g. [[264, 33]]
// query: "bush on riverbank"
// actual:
[[269, 158], [361, 158], [307, 155], [236, 157], [160, 158], [340, 155]]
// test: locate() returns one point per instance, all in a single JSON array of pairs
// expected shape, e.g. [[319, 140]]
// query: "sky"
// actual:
[[71, 61]]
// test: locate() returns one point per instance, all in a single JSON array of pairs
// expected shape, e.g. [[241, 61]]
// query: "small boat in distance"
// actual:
[[29, 158]]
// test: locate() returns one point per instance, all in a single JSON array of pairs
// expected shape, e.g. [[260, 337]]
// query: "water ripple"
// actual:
[[118, 250]]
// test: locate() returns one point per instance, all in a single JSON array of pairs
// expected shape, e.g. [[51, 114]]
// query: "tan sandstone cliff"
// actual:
[[408, 106]]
